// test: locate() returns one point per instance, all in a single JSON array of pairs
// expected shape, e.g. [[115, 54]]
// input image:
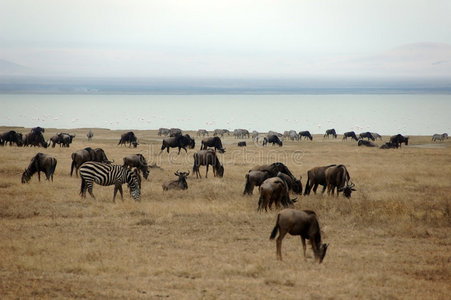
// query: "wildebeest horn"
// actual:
[[177, 173], [294, 199]]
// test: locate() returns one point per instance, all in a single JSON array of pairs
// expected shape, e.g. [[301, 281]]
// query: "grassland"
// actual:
[[391, 240]]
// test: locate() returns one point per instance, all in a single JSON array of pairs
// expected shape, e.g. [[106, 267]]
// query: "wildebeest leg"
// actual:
[[282, 233], [315, 187], [303, 246], [206, 172]]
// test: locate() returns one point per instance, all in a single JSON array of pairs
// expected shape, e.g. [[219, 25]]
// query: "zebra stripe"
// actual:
[[107, 174]]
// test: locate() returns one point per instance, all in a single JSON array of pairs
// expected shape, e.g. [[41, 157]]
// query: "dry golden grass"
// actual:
[[390, 240]]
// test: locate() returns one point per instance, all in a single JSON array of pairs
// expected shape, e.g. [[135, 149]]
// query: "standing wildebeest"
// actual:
[[179, 141], [37, 130], [242, 144], [40, 162], [63, 139], [255, 178], [36, 139], [303, 223], [292, 183], [274, 190], [367, 135], [338, 177], [163, 131], [306, 134], [439, 137], [316, 176], [108, 174], [202, 132], [11, 137], [205, 158], [399, 139], [137, 161], [349, 134], [128, 137], [366, 143], [90, 134], [179, 184], [213, 141], [330, 132], [274, 139], [87, 154]]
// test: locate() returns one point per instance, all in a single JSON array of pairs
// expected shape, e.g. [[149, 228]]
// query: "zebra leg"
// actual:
[[90, 185]]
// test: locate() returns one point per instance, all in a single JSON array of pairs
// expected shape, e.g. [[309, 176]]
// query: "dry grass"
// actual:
[[390, 240]]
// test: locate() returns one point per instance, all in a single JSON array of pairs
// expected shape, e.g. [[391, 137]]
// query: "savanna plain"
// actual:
[[390, 240]]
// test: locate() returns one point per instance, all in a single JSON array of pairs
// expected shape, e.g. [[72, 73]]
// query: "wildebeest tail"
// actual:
[[73, 164], [307, 186], [247, 187], [276, 228]]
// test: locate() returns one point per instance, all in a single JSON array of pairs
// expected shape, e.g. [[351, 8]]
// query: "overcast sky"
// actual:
[[228, 38]]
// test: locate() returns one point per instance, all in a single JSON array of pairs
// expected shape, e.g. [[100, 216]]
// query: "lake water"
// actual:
[[412, 114]]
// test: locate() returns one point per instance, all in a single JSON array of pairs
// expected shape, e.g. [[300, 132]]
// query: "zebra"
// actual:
[[439, 137], [108, 174]]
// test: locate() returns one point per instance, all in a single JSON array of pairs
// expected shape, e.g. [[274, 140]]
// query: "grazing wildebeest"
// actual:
[[388, 145], [330, 132], [376, 135], [40, 162], [87, 154], [63, 139], [439, 137], [242, 144], [338, 177], [214, 141], [274, 190], [108, 174], [303, 223], [128, 137], [90, 134], [306, 134], [137, 161], [367, 135], [163, 131], [202, 132], [274, 139], [35, 138], [255, 178], [399, 139], [349, 134], [316, 176], [179, 141], [179, 184], [11, 137], [292, 183], [205, 158], [366, 143]]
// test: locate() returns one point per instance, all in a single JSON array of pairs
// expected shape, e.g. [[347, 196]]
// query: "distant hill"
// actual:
[[11, 68]]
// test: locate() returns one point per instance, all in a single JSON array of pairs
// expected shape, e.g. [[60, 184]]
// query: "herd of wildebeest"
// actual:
[[274, 181]]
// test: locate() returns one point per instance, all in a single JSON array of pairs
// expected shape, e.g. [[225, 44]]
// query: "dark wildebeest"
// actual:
[[388, 145], [399, 139], [179, 184], [37, 130], [292, 183], [303, 223], [11, 137], [163, 131], [274, 139], [439, 137], [63, 139], [202, 132], [274, 190], [89, 135], [366, 143], [338, 177], [40, 162], [128, 137], [242, 144], [87, 154], [316, 176], [205, 158], [137, 161], [305, 134], [213, 141], [35, 138], [179, 141], [349, 134], [331, 132], [367, 135], [258, 174]]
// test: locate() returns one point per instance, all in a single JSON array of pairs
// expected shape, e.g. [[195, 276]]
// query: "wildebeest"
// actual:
[[87, 154], [388, 145], [399, 139], [202, 132], [439, 137], [338, 177], [175, 132], [331, 132], [40, 162], [367, 135], [35, 138], [274, 139], [63, 139], [179, 184], [163, 131], [303, 223], [255, 178], [274, 190], [128, 137], [137, 161], [179, 141], [37, 130], [89, 135], [366, 143], [349, 134], [316, 176], [306, 134], [242, 144], [292, 183], [205, 158], [214, 141], [11, 137]]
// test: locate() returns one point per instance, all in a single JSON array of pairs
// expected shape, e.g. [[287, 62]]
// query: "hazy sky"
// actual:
[[227, 38]]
